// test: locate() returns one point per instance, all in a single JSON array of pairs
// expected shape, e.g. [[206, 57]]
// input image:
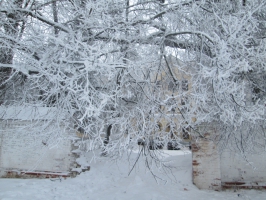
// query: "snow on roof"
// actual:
[[29, 113]]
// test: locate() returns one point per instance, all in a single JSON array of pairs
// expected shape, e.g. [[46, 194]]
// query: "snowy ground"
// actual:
[[109, 180]]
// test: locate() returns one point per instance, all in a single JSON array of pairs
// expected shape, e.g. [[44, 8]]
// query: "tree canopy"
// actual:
[[127, 64]]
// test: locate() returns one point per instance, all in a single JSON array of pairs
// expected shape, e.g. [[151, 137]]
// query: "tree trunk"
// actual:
[[11, 28]]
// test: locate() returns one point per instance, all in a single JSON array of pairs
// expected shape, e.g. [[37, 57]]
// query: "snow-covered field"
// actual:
[[109, 179]]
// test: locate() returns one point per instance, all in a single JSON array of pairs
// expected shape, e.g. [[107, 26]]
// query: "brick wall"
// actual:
[[237, 172], [27, 154], [206, 165], [228, 167]]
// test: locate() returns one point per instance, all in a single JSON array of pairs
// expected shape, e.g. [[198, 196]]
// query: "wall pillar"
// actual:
[[206, 162]]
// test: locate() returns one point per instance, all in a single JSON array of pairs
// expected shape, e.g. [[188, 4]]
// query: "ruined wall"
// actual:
[[238, 164], [27, 154], [243, 172], [243, 157]]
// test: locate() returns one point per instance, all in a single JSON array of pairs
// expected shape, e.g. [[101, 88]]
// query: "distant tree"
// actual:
[[12, 25]]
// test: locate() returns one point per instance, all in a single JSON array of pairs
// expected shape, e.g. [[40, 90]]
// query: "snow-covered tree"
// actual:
[[115, 65]]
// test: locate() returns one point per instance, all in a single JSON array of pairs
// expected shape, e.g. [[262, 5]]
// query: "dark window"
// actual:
[[171, 85], [184, 85], [158, 83], [158, 126], [185, 133], [184, 101]]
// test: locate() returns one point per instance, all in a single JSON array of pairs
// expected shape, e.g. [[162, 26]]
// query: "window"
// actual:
[[158, 126], [184, 85], [158, 83], [185, 133], [184, 101], [173, 86], [171, 104]]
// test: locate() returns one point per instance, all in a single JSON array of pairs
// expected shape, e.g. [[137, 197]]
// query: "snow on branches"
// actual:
[[132, 65]]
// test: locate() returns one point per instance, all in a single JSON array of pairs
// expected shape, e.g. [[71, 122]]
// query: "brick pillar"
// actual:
[[1, 141], [206, 163]]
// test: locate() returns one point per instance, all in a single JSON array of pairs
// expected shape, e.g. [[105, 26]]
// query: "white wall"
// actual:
[[25, 151], [216, 168], [248, 171], [206, 165]]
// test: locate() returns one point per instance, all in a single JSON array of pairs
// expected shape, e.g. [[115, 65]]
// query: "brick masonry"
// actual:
[[27, 154], [217, 169], [206, 165]]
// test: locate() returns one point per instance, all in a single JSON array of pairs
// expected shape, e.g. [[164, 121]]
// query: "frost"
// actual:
[[100, 64]]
